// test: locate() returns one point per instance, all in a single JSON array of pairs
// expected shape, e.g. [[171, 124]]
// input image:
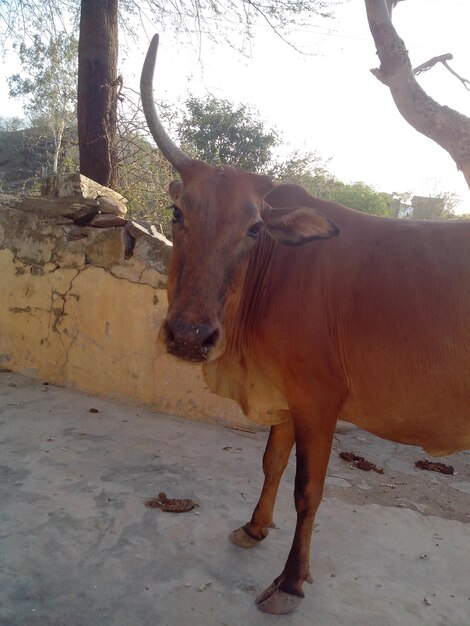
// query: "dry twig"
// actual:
[[443, 58]]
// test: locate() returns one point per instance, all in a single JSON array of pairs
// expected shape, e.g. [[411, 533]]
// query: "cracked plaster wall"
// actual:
[[81, 307]]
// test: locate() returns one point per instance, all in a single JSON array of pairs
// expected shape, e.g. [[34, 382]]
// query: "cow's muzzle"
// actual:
[[189, 341]]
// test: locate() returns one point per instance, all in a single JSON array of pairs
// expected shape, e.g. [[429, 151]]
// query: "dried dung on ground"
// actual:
[[360, 462], [434, 466], [170, 505]]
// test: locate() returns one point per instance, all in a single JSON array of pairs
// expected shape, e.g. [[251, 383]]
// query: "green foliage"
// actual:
[[305, 169], [309, 171], [143, 174], [219, 132], [198, 20], [10, 124], [48, 85], [360, 196], [143, 178], [49, 77]]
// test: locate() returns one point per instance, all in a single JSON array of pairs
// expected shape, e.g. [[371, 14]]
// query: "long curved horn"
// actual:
[[170, 150]]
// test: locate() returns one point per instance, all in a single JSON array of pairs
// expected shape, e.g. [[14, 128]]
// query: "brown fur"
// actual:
[[371, 326]]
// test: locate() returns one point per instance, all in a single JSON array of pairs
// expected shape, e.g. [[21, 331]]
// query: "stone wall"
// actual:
[[82, 301]]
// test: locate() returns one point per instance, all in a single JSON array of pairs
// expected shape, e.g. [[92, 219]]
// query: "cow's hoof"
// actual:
[[277, 602], [242, 539]]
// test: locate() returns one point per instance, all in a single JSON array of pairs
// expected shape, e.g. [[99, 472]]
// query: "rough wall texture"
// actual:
[[81, 307]]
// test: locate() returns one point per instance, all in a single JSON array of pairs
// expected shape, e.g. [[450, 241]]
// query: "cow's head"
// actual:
[[219, 214]]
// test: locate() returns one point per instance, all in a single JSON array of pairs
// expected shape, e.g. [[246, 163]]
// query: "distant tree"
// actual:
[[306, 169], [144, 176], [143, 173], [98, 83], [451, 201], [12, 123], [310, 171], [219, 132], [361, 197], [48, 84]]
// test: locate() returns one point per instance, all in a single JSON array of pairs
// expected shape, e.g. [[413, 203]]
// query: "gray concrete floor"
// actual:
[[79, 548]]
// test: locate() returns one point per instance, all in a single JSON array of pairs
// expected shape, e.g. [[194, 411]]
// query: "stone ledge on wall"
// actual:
[[83, 297], [77, 222]]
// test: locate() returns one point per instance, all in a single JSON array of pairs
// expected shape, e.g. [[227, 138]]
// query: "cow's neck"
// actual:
[[250, 295]]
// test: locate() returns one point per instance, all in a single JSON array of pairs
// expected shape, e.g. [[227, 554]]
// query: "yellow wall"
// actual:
[[78, 319]]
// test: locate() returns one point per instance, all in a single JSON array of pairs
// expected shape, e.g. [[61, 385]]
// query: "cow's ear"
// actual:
[[175, 189], [295, 227]]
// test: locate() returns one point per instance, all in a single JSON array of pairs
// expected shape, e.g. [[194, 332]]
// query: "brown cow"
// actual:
[[306, 312]]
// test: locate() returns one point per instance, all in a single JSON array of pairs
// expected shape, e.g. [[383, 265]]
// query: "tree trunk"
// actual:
[[58, 134], [447, 127], [96, 109]]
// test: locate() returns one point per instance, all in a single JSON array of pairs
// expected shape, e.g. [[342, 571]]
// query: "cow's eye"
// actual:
[[177, 215], [254, 230]]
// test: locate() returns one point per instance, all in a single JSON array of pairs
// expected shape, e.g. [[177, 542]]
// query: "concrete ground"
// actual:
[[79, 548]]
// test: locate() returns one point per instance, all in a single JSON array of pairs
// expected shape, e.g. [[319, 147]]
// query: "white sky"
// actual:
[[328, 101]]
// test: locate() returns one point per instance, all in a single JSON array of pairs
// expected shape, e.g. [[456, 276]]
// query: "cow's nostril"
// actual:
[[210, 340], [190, 341]]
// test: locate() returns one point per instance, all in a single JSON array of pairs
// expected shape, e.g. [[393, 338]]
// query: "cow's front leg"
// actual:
[[314, 438], [276, 456]]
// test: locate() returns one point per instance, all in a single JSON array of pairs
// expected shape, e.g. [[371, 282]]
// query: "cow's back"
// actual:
[[403, 318], [385, 309]]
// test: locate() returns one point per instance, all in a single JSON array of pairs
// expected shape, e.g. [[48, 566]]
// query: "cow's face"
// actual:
[[218, 217], [216, 223]]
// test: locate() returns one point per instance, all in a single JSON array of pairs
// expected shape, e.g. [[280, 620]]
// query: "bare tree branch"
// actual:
[[275, 29], [443, 58], [447, 127]]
